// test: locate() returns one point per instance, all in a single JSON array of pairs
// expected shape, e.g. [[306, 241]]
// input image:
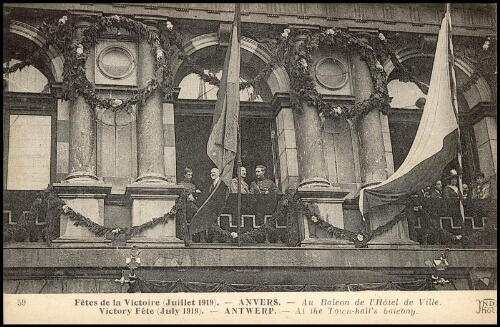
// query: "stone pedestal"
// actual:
[[326, 202], [153, 200], [88, 200], [397, 236]]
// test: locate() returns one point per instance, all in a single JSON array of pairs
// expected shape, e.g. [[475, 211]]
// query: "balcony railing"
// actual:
[[437, 221], [271, 219]]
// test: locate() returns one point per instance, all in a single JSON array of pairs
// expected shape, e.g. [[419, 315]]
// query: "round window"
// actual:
[[116, 62], [331, 73]]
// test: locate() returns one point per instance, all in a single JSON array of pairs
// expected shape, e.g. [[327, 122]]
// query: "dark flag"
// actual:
[[222, 143]]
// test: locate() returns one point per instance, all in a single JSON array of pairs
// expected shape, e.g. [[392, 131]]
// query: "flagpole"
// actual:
[[455, 110], [238, 152]]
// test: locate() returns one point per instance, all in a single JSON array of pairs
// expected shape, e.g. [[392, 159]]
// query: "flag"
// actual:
[[222, 143], [436, 141]]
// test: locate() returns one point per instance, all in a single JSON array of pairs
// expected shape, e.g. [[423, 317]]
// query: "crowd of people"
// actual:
[[480, 188]]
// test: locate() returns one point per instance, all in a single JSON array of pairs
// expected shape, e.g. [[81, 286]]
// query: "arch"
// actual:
[[277, 81], [52, 57], [477, 93]]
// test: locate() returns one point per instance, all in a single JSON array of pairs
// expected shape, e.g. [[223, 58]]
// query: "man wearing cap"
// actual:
[[262, 185], [481, 188], [187, 182], [451, 190]]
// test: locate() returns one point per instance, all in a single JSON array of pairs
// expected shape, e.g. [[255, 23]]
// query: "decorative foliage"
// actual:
[[289, 207], [486, 65], [150, 286], [76, 46], [284, 208], [50, 204], [298, 62], [384, 50]]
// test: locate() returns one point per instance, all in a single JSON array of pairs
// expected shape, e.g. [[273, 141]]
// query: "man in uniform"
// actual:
[[188, 184], [262, 185], [481, 188]]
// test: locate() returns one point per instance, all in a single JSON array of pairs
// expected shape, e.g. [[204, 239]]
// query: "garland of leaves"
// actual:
[[386, 51], [56, 207], [298, 63], [289, 206], [77, 50], [486, 65], [168, 43], [285, 208]]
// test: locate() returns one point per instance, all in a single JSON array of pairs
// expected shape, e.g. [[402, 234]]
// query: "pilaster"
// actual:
[[88, 200], [152, 201], [326, 203]]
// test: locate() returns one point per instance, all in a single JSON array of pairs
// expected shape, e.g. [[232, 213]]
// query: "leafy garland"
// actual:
[[298, 63], [77, 50], [285, 208], [167, 44], [289, 206], [486, 65], [385, 51]]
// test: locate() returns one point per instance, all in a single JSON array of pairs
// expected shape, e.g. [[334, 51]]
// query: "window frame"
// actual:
[[34, 104]]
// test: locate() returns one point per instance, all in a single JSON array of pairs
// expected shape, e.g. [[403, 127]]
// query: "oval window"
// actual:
[[331, 73], [116, 62]]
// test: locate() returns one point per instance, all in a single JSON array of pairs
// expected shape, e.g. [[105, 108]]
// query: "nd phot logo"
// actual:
[[487, 306]]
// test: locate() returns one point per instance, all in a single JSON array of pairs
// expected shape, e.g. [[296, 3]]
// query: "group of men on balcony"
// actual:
[[261, 185], [480, 189]]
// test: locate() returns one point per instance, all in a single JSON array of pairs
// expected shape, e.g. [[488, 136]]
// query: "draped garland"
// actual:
[[289, 207], [76, 51], [303, 87], [167, 45], [153, 286]]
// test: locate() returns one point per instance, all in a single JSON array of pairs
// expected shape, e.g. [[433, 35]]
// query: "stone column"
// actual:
[[312, 169], [485, 132], [373, 163], [81, 190], [169, 156], [82, 126], [149, 118], [314, 188], [374, 168], [287, 145], [152, 194]]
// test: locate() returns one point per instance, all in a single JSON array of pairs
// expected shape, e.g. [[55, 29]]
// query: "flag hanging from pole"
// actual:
[[436, 141], [222, 143]]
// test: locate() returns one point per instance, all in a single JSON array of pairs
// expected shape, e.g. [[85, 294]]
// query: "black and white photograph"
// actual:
[[250, 162]]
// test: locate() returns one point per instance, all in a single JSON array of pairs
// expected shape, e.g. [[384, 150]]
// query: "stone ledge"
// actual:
[[153, 190], [221, 255], [66, 189]]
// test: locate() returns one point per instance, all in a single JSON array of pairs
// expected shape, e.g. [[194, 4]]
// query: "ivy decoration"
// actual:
[[76, 47], [76, 55], [299, 62], [386, 52]]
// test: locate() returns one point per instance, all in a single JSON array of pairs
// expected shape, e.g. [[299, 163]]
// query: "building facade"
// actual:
[[121, 168]]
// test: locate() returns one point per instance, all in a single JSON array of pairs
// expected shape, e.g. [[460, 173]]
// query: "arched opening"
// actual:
[[30, 115], [193, 117]]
